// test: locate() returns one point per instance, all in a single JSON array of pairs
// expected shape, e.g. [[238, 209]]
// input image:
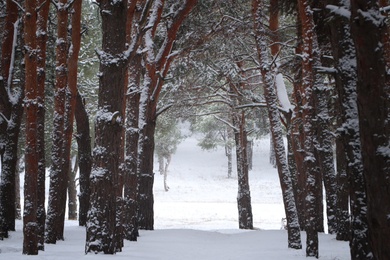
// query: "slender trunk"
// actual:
[[70, 105], [131, 159], [310, 80], [168, 158], [72, 191], [228, 153], [43, 15], [245, 216], [373, 91], [18, 210], [83, 139], [30, 238], [58, 176], [145, 167]]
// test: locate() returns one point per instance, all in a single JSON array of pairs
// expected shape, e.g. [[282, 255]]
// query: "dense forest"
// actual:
[[94, 89]]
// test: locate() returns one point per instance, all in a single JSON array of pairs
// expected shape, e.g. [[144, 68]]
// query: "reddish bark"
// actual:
[[30, 240], [43, 15], [58, 176]]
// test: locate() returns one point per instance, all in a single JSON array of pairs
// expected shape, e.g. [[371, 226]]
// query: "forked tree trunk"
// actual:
[[30, 238], [368, 30]]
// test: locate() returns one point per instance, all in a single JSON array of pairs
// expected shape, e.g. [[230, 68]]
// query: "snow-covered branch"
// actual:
[[13, 98], [339, 10], [226, 123]]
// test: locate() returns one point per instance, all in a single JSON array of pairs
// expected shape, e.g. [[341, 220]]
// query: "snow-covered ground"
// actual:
[[197, 217]]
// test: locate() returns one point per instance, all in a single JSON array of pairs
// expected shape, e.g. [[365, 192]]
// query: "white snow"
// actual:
[[197, 217], [282, 93]]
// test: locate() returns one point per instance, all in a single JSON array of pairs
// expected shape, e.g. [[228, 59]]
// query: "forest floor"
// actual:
[[197, 217]]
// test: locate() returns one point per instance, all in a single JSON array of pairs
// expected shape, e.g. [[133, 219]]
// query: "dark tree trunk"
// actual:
[[343, 53], [245, 216], [145, 168], [373, 91], [11, 109], [59, 169], [30, 239], [342, 214], [105, 183], [85, 158]]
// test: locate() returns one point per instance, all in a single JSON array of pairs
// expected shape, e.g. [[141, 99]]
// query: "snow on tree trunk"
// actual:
[[30, 238], [72, 191], [369, 30], [104, 179], [58, 176], [345, 63], [310, 80], [268, 76], [11, 115], [245, 216], [147, 125], [83, 139], [43, 15], [131, 156]]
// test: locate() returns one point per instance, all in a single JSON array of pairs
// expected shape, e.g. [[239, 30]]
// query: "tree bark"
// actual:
[[368, 29], [245, 216], [72, 191], [310, 80], [105, 183], [344, 53], [10, 119], [42, 38], [58, 176], [83, 139], [30, 238], [268, 78]]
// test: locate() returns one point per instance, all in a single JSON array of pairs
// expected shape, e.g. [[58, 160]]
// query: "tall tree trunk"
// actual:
[[83, 139], [310, 60], [58, 176], [343, 53], [102, 215], [10, 108], [368, 28], [43, 15], [268, 76], [30, 238], [71, 93]]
